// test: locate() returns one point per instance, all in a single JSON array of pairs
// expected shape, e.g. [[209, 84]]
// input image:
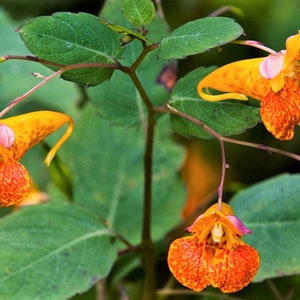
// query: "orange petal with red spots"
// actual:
[[280, 111], [15, 182], [233, 269], [187, 261]]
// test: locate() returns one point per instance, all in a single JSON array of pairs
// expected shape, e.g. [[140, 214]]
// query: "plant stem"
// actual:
[[17, 100], [147, 245], [149, 254], [173, 111], [149, 127], [221, 185], [62, 69]]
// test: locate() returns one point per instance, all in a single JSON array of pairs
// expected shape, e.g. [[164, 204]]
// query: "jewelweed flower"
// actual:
[[273, 79], [17, 135], [215, 254]]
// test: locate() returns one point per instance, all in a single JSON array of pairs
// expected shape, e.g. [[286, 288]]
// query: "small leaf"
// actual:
[[123, 30], [198, 36], [271, 209], [138, 12], [46, 245], [66, 38], [225, 117]]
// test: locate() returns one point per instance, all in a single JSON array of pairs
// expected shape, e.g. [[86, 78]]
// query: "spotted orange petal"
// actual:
[[15, 181], [280, 111], [233, 269], [187, 261]]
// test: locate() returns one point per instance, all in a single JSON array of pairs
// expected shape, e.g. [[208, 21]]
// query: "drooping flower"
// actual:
[[273, 79], [17, 135], [215, 254]]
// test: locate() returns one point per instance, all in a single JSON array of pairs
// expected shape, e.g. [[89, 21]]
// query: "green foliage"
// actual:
[[43, 246], [199, 36], [274, 227], [66, 38], [123, 184], [226, 118], [108, 180], [138, 12]]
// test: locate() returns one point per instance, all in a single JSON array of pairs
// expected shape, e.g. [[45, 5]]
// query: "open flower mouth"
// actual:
[[215, 254]]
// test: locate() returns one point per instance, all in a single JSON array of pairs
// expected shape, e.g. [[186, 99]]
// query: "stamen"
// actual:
[[217, 232]]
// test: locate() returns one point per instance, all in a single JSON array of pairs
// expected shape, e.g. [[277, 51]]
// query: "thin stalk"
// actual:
[[147, 243], [146, 50], [255, 44], [149, 254], [262, 147], [171, 110], [17, 100], [61, 66], [30, 58], [224, 167], [46, 79]]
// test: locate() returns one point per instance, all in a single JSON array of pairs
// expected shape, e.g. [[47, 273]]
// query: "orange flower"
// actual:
[[17, 135], [273, 79], [215, 254]]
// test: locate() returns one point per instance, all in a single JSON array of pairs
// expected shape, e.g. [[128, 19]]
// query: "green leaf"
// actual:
[[271, 209], [138, 12], [199, 36], [225, 117], [108, 177], [66, 38], [53, 251], [120, 29]]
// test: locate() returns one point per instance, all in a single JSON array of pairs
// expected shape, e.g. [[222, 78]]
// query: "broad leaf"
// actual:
[[199, 36], [271, 209], [53, 251], [108, 177], [138, 12], [66, 38], [225, 117]]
